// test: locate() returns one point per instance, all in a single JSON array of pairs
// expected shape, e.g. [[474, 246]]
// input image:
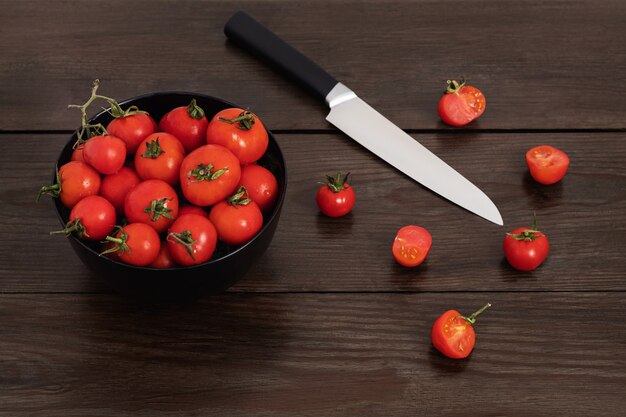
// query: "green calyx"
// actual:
[[157, 208], [240, 198], [472, 319], [120, 242], [183, 238], [73, 226], [454, 86], [204, 172], [194, 110], [528, 235], [337, 183], [153, 149], [244, 121], [52, 190]]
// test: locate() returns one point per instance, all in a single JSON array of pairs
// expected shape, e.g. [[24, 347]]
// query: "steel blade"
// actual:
[[365, 125]]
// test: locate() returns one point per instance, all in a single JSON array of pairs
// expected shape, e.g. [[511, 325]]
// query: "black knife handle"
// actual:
[[255, 38]]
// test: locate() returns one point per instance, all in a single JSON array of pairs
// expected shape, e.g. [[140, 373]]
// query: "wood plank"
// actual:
[[541, 64], [584, 217], [310, 354]]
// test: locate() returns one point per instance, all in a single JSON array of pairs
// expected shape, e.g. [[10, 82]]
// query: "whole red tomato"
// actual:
[[526, 247], [132, 128], [453, 335], [192, 239], [135, 244], [411, 245], [115, 187], [240, 131], [153, 202], [75, 181], [159, 156], [336, 197], [187, 209], [77, 154], [92, 218], [461, 104], [164, 260], [209, 174], [105, 153], [547, 164], [261, 185], [188, 124], [237, 219]]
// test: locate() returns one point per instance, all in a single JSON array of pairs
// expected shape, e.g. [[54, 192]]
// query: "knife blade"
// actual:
[[361, 122]]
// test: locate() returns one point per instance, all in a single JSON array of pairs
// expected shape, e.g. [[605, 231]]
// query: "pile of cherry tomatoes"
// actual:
[[162, 195]]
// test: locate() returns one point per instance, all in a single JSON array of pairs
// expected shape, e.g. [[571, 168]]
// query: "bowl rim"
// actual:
[[272, 218]]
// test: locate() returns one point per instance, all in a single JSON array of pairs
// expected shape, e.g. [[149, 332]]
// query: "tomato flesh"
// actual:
[[452, 335], [411, 245], [547, 164], [461, 107]]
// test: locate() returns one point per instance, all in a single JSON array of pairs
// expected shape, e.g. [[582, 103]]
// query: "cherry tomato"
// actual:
[[209, 174], [153, 202], [159, 156], [77, 154], [135, 244], [192, 239], [336, 197], [547, 164], [92, 218], [187, 209], [526, 247], [75, 181], [411, 245], [115, 187], [132, 128], [261, 185], [237, 219], [461, 104], [188, 124], [240, 131], [105, 153], [164, 260], [453, 335]]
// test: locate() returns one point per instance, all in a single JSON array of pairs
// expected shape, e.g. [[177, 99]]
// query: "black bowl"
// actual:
[[228, 264]]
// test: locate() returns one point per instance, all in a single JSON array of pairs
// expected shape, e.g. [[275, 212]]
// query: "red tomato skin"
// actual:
[[261, 185], [78, 180], [187, 209], [191, 132], [237, 224], [132, 130], [204, 234], [106, 154], [452, 335], [547, 164], [411, 245], [143, 242], [141, 196], [334, 204], [461, 107], [96, 215], [164, 259], [247, 145], [526, 255], [206, 193], [77, 154], [115, 187], [164, 167]]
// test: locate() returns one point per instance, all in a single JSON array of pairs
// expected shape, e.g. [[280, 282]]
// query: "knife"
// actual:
[[358, 120]]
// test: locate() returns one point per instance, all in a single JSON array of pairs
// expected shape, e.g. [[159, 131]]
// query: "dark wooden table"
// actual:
[[327, 324]]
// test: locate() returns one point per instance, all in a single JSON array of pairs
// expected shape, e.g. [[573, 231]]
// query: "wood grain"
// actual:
[[584, 217], [541, 64], [310, 354]]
